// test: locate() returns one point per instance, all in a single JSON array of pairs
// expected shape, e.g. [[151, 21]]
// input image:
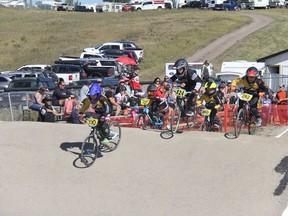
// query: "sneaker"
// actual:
[[105, 141], [168, 127], [113, 135], [258, 122], [190, 113]]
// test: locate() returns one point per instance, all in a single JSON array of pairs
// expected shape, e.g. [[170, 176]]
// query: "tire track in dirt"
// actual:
[[217, 47]]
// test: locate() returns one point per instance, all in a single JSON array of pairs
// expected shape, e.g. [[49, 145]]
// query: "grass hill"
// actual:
[[40, 37]]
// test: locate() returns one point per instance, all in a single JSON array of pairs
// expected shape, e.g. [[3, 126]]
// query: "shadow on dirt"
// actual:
[[75, 148], [282, 168]]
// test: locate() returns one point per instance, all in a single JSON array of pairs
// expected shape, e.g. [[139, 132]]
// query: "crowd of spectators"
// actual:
[[125, 96]]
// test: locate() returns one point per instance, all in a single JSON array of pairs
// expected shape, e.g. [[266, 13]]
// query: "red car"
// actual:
[[126, 8]]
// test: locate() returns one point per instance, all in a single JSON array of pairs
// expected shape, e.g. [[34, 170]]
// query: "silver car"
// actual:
[[4, 81]]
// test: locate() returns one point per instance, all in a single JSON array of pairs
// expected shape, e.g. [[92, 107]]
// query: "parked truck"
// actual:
[[117, 45], [170, 70], [149, 5]]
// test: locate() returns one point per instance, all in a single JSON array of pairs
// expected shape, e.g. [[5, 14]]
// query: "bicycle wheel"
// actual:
[[89, 151], [175, 119], [139, 121], [191, 120], [204, 126], [252, 124], [158, 121], [114, 137], [239, 122]]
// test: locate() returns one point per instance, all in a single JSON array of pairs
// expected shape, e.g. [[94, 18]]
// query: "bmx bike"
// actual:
[[92, 145]]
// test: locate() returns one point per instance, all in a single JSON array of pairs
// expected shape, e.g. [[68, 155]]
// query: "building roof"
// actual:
[[271, 56]]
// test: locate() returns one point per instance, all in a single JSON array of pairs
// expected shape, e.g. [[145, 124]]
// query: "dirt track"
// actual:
[[216, 48], [193, 174]]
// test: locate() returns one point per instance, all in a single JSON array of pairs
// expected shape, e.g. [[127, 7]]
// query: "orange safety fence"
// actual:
[[276, 115]]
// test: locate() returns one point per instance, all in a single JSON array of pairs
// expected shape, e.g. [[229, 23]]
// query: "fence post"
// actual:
[[10, 105]]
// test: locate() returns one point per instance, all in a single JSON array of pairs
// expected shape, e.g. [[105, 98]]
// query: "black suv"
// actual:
[[193, 4]]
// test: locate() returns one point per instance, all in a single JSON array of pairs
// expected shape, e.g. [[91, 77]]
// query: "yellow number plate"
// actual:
[[245, 97], [92, 122], [205, 112], [180, 92], [144, 101]]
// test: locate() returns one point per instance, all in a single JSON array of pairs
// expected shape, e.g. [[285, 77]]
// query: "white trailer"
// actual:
[[234, 69], [170, 70]]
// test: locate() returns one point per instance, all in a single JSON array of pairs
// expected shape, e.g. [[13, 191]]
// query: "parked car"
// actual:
[[68, 72], [126, 8], [193, 4], [33, 67], [30, 83], [4, 81], [96, 67]]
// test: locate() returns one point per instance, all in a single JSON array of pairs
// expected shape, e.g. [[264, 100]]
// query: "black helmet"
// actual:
[[252, 72], [181, 63], [152, 88]]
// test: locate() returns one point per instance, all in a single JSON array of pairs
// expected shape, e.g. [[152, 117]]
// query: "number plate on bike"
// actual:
[[205, 112], [144, 101], [92, 122], [180, 92], [245, 97]]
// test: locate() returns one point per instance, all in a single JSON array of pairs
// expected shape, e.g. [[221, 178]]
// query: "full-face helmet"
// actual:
[[181, 65], [95, 90], [252, 72], [210, 88], [151, 90]]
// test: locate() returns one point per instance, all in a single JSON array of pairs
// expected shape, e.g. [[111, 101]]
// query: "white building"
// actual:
[[13, 3], [276, 72]]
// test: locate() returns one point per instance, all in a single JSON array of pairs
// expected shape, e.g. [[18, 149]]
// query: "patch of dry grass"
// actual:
[[40, 37]]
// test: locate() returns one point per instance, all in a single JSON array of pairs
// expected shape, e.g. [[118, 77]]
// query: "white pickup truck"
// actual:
[[148, 5], [117, 45], [170, 70]]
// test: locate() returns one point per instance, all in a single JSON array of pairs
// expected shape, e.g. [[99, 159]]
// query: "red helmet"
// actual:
[[252, 72]]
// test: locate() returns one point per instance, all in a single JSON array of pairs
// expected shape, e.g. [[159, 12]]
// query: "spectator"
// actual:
[[122, 99], [120, 83], [38, 97], [60, 94], [157, 82], [135, 81], [266, 107], [47, 112], [109, 94], [282, 100], [205, 71], [68, 107], [84, 90], [73, 118]]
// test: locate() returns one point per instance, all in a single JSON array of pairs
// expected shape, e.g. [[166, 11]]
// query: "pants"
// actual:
[[253, 106]]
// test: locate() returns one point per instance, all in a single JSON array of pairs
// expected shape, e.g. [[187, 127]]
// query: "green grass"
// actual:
[[40, 37]]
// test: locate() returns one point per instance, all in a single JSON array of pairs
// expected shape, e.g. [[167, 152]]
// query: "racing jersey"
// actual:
[[257, 86], [191, 79], [102, 106]]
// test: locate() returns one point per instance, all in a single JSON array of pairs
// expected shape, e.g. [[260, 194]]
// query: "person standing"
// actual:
[[282, 103], [84, 90]]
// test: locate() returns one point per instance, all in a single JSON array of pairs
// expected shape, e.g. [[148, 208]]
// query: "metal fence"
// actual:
[[275, 80]]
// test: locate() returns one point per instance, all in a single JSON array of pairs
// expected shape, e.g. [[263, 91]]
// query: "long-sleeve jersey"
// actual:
[[102, 106], [191, 79], [257, 86]]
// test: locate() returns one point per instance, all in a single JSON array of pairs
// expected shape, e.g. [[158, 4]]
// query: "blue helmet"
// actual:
[[95, 89]]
